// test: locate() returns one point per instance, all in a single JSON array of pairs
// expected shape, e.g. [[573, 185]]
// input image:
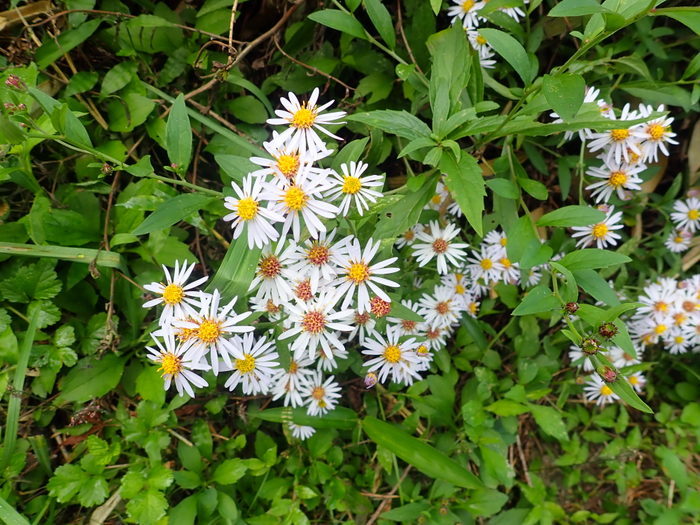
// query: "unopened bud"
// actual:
[[21, 107], [607, 330], [370, 380], [590, 346], [571, 308], [608, 374], [8, 106], [13, 81], [106, 169]]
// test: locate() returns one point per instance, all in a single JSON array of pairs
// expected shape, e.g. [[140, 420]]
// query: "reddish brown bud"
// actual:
[[571, 308], [608, 374], [607, 330], [590, 346]]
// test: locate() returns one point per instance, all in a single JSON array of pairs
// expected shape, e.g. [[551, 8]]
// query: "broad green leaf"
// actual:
[[425, 458], [66, 482], [504, 187], [435, 5], [576, 8], [229, 471], [534, 188], [340, 21], [401, 215], [594, 285], [564, 93], [685, 15], [129, 111], [248, 109], [352, 151], [82, 81], [9, 515], [506, 407], [178, 135], [550, 421], [623, 389], [91, 378], [381, 19], [399, 123], [572, 216], [466, 183], [10, 133], [147, 506], [539, 299], [401, 311], [485, 502], [592, 258], [67, 123], [55, 47], [340, 417], [674, 467], [118, 77], [569, 288], [408, 512], [172, 211], [511, 50], [236, 271]]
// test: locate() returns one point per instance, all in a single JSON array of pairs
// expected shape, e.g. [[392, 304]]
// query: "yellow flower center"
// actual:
[[473, 308], [313, 322], [442, 307], [486, 264], [170, 364], [693, 214], [480, 40], [358, 273], [185, 334], [304, 118], [634, 157], [436, 199], [619, 135], [660, 329], [408, 325], [247, 208], [505, 261], [655, 131], [318, 393], [634, 380], [678, 240], [209, 331], [245, 365], [173, 294], [661, 306], [617, 179], [422, 350], [318, 254], [392, 354], [467, 5], [599, 230], [679, 339], [295, 198], [459, 289], [293, 367], [503, 242], [606, 390], [409, 235], [288, 165], [351, 185]]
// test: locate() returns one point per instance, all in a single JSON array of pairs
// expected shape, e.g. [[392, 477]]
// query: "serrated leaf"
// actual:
[[147, 507], [66, 482], [229, 471], [33, 281]]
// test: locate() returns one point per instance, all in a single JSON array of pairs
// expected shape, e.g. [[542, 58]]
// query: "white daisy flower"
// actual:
[[466, 11], [315, 258], [484, 265], [496, 240], [597, 390], [356, 273], [289, 382], [303, 120], [178, 298], [175, 365], [601, 234], [482, 47], [657, 302], [510, 271], [302, 432], [409, 236], [616, 179], [580, 359], [534, 276], [637, 380], [656, 134], [274, 274], [390, 356], [425, 357], [434, 336], [285, 162], [686, 214], [254, 366], [329, 364], [679, 341], [209, 329], [272, 310], [678, 241], [405, 327], [618, 142], [514, 12], [439, 243], [247, 211], [352, 185], [320, 396], [440, 310], [303, 199], [441, 197], [620, 358], [316, 323], [457, 282], [363, 326]]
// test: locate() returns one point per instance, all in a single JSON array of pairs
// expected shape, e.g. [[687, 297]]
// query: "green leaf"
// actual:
[[340, 21], [506, 407], [118, 77], [82, 255], [425, 458], [381, 20], [401, 215], [534, 188], [549, 421], [572, 216], [81, 82], [178, 135], [67, 123], [683, 14], [408, 512], [486, 502], [623, 389], [147, 507], [504, 188], [564, 93], [435, 5], [9, 515], [569, 290], [539, 299], [401, 311], [576, 8], [66, 482], [236, 271], [55, 47], [399, 123], [91, 378], [128, 111], [673, 467], [229, 471], [173, 211], [248, 109], [466, 183], [592, 258], [594, 285], [511, 50], [10, 133], [31, 282], [93, 492]]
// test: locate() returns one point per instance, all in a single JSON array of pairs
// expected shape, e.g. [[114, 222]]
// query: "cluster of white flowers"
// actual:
[[467, 12], [686, 221]]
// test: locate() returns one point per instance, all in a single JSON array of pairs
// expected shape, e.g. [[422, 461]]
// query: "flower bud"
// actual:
[[106, 169], [571, 308], [370, 380], [607, 330], [608, 374], [14, 81], [590, 346]]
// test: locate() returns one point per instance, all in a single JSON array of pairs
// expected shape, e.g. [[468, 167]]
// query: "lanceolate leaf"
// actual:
[[340, 417], [466, 183], [572, 216], [511, 50], [178, 135], [564, 93], [425, 458], [399, 123], [340, 21], [233, 277], [172, 211], [381, 19]]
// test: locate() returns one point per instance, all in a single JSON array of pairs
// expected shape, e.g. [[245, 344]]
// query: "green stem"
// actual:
[[15, 402]]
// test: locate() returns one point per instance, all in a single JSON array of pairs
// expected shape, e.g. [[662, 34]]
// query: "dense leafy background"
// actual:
[[498, 432]]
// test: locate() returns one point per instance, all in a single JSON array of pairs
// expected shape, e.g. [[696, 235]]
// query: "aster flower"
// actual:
[[405, 327], [178, 298], [439, 243], [434, 336], [175, 365], [247, 212], [315, 258], [271, 309], [656, 134], [679, 341], [390, 356], [597, 390], [286, 162], [482, 47], [409, 236], [686, 214], [254, 365], [303, 120], [363, 326], [440, 310], [601, 234], [356, 273], [590, 96], [320, 396], [637, 380], [484, 264], [497, 240], [441, 197], [274, 274], [620, 141], [678, 241], [510, 271], [302, 432], [351, 185], [288, 382], [301, 200], [616, 179], [580, 358], [620, 358], [466, 12]]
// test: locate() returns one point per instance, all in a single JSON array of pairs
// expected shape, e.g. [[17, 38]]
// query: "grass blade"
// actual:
[[83, 255]]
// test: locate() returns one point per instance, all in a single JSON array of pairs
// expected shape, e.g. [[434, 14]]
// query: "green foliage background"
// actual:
[[117, 172]]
